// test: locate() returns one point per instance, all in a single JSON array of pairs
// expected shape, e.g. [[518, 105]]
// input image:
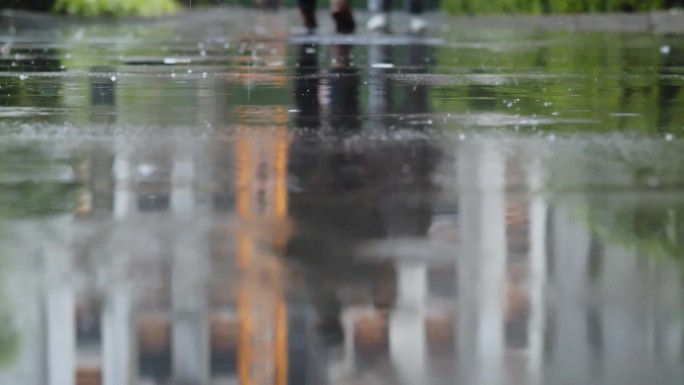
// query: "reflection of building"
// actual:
[[539, 300], [532, 297], [162, 291]]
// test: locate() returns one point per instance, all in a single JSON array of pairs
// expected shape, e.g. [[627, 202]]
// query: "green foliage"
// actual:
[[603, 5], [476, 7], [31, 197], [651, 228], [116, 8], [9, 342], [611, 72]]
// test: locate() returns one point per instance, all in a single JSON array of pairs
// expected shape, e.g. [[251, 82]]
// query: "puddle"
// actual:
[[213, 200]]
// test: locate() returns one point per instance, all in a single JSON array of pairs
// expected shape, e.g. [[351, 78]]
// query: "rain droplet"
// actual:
[[665, 49], [461, 136], [204, 74], [669, 137], [23, 77], [113, 78], [189, 71]]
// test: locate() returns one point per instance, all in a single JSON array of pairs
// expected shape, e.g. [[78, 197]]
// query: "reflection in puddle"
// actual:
[[336, 211], [383, 279]]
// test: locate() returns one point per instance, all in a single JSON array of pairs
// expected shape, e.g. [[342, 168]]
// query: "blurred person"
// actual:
[[381, 10], [340, 10], [324, 229], [344, 196]]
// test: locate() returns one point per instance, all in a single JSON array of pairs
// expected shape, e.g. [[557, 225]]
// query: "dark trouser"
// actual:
[[305, 90], [306, 5], [340, 11], [414, 7], [310, 5]]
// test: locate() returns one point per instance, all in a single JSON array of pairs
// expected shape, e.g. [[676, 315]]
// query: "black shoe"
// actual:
[[309, 20], [344, 21]]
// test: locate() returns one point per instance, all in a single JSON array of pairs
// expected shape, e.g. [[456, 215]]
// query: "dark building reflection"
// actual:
[[306, 87], [347, 196]]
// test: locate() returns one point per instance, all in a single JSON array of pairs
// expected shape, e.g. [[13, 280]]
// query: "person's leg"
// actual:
[[416, 9], [380, 19], [307, 8], [341, 12], [305, 90], [344, 111]]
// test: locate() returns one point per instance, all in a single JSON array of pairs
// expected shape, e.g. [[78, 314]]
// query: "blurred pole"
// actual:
[[537, 273], [492, 269], [481, 263], [408, 346], [117, 341], [60, 308], [379, 90]]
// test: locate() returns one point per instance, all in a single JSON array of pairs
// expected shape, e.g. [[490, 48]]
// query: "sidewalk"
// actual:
[[659, 22]]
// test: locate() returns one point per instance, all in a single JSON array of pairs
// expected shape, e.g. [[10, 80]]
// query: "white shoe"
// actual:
[[378, 22], [418, 25]]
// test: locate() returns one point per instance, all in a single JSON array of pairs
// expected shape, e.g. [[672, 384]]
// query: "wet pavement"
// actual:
[[218, 199]]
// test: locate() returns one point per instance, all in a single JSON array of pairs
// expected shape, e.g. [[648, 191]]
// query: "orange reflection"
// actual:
[[261, 178], [87, 375]]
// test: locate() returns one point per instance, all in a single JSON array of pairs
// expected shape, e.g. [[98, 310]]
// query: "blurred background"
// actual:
[[119, 8]]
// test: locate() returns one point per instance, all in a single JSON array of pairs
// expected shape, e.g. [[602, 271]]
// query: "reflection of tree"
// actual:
[[30, 187], [623, 86], [631, 192], [653, 228], [31, 198], [31, 91], [9, 341]]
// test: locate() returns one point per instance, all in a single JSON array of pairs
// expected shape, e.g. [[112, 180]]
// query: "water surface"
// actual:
[[217, 199]]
